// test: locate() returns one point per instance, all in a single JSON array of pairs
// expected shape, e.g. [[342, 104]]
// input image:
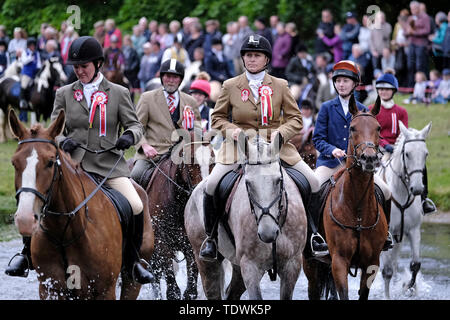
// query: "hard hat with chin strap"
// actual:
[[388, 81], [346, 68]]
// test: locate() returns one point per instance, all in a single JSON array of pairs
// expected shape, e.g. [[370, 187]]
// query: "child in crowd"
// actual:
[[442, 94], [420, 87]]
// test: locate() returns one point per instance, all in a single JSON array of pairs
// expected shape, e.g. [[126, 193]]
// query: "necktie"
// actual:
[[171, 103]]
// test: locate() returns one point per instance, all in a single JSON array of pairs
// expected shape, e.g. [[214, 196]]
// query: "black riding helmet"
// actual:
[[86, 49], [256, 43], [31, 40], [172, 66]]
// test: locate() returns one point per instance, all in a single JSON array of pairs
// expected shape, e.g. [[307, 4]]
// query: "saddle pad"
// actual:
[[224, 188], [15, 89], [380, 197], [302, 184]]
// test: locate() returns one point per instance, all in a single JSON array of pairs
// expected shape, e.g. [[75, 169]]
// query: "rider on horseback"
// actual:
[[333, 127], [86, 55], [240, 98], [31, 64], [389, 116]]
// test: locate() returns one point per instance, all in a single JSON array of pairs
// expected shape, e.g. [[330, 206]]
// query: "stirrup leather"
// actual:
[[321, 240]]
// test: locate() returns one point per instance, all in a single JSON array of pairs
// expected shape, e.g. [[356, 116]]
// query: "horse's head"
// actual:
[[265, 187], [307, 150], [364, 136], [35, 162], [412, 149], [57, 72]]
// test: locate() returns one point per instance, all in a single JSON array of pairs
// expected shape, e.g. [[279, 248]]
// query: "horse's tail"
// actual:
[[326, 282]]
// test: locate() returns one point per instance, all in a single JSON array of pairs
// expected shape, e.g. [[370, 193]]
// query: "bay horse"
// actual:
[[170, 186], [76, 235], [354, 224], [42, 95], [268, 222], [305, 146], [404, 173]]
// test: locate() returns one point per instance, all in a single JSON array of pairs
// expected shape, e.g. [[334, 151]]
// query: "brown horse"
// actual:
[[305, 146], [171, 184], [76, 246], [354, 223]]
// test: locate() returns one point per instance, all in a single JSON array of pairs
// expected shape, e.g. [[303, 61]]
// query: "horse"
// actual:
[[404, 173], [42, 94], [353, 222], [267, 221], [177, 173], [116, 76], [305, 147], [76, 235]]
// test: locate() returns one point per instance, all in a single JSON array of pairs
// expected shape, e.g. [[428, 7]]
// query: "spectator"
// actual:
[[3, 35], [387, 60], [176, 51], [364, 35], [291, 29], [175, 29], [399, 43], [420, 87], [152, 29], [299, 71], [150, 63], [366, 68], [442, 94], [262, 29], [143, 25], [321, 62], [380, 35], [212, 31], [273, 21], [41, 38], [216, 64], [186, 30], [65, 43], [308, 112], [110, 28], [18, 44], [326, 27], [232, 45], [437, 39], [244, 32], [138, 39], [446, 45], [3, 57], [62, 30], [51, 51], [326, 90], [163, 37], [281, 52], [194, 68], [335, 43], [114, 58], [99, 32], [417, 29], [131, 62], [196, 39], [349, 34]]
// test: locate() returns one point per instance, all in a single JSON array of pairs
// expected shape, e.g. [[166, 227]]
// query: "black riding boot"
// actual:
[[319, 247], [23, 103], [133, 261], [388, 244], [22, 264], [428, 205], [208, 251]]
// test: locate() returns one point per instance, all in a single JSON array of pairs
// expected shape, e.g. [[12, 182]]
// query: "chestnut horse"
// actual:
[[76, 236], [354, 223], [305, 146], [169, 188]]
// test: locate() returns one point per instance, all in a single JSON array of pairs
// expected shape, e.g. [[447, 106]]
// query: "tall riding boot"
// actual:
[[23, 103], [133, 261], [208, 251], [388, 244], [428, 205], [22, 264], [319, 247]]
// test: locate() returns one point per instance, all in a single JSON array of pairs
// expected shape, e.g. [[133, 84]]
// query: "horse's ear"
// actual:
[[16, 127], [426, 130], [376, 108], [57, 126], [352, 105], [403, 128], [276, 143]]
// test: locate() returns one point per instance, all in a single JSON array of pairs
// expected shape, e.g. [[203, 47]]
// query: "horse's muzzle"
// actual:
[[268, 236], [369, 163]]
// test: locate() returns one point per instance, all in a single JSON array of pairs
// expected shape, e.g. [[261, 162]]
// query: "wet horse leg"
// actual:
[[236, 287], [339, 268], [414, 238], [252, 276], [388, 269], [368, 274], [173, 291], [192, 274], [288, 277]]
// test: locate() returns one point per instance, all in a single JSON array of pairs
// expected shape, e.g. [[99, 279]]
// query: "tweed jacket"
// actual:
[[120, 113], [247, 115], [159, 129]]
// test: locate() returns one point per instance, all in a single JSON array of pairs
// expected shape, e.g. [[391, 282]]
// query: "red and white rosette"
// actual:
[[265, 94], [100, 99], [188, 118], [78, 95], [245, 93]]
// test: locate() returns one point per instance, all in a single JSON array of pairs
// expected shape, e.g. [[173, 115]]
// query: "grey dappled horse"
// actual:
[[404, 174], [266, 183]]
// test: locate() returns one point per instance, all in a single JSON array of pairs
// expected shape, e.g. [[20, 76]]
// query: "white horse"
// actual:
[[268, 222], [404, 174]]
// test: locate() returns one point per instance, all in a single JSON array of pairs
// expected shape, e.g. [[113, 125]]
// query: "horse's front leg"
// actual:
[[173, 291], [252, 276], [236, 287], [414, 239], [288, 277], [368, 274], [192, 274], [339, 268]]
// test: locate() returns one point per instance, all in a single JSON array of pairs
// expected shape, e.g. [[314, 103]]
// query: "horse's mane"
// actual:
[[399, 144]]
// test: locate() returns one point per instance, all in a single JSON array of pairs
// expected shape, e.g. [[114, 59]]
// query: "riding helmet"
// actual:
[[31, 40], [388, 81], [85, 49], [201, 86], [172, 66], [256, 42], [346, 68]]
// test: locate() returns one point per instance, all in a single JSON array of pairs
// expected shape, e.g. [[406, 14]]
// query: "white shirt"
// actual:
[[90, 88], [255, 81], [344, 104]]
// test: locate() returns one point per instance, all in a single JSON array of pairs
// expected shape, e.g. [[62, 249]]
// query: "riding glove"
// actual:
[[389, 148], [125, 141], [69, 145]]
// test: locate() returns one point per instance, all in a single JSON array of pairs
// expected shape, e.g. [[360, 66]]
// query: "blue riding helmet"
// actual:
[[388, 81]]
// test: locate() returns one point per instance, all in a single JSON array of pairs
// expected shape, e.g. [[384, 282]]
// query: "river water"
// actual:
[[433, 280]]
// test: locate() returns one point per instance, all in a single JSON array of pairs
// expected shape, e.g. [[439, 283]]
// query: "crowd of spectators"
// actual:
[[408, 48]]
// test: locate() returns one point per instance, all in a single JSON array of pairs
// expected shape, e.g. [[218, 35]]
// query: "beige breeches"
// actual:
[[125, 187]]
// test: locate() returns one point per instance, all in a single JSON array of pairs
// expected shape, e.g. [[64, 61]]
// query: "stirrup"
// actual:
[[389, 239], [206, 258], [25, 275], [145, 265], [321, 240], [431, 203]]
